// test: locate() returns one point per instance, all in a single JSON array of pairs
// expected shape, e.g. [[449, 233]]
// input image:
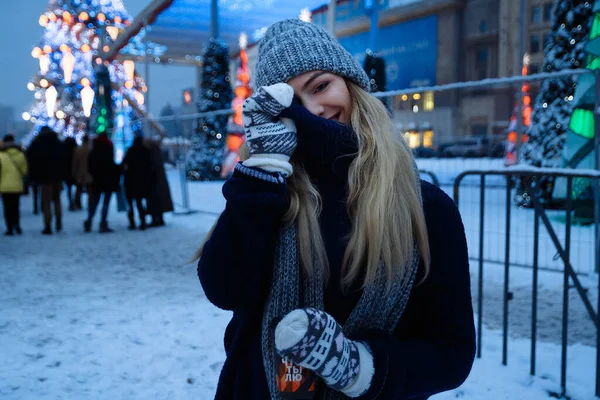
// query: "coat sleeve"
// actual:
[[23, 167], [237, 258], [433, 347]]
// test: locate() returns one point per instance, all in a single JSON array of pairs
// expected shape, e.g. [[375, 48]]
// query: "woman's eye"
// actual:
[[321, 87]]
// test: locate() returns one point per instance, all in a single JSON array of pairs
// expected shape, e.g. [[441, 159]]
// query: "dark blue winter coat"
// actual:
[[433, 346]]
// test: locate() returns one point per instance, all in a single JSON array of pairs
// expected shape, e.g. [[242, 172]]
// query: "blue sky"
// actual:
[[20, 32]]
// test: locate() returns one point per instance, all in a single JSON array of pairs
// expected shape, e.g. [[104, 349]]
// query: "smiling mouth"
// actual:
[[336, 117]]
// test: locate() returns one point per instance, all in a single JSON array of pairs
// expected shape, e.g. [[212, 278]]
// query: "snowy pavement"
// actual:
[[122, 316]]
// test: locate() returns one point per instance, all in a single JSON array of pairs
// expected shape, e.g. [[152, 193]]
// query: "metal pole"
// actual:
[[506, 273], [147, 78], [214, 18], [480, 281], [373, 12], [331, 11], [519, 59], [597, 213], [565, 312], [536, 239]]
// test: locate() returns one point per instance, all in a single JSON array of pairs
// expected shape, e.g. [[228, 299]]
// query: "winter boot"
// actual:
[[47, 230], [18, 230], [58, 225], [104, 227], [87, 225]]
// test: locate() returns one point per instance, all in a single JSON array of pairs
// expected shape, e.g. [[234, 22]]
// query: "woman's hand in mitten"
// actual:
[[312, 339], [271, 139]]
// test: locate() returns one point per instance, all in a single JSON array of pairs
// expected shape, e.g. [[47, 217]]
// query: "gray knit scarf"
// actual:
[[291, 289]]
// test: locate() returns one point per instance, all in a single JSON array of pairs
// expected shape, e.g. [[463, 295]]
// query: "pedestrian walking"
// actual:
[[81, 172], [138, 175], [105, 180], [159, 201], [70, 147], [13, 168], [347, 275], [47, 158]]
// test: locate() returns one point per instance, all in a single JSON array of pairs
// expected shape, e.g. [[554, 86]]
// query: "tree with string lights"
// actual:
[[66, 86], [205, 159]]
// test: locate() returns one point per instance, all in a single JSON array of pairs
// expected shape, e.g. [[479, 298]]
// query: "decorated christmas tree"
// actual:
[[565, 49], [578, 151], [208, 143], [66, 86]]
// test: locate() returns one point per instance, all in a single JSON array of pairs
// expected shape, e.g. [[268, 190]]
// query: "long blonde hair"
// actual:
[[383, 201]]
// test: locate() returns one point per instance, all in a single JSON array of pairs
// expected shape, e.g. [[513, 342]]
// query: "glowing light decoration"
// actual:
[[44, 61], [51, 95], [26, 116], [43, 21], [129, 67], [101, 17], [87, 100], [43, 83], [67, 64], [60, 114], [36, 52], [83, 16], [305, 15], [139, 98], [113, 32], [31, 86]]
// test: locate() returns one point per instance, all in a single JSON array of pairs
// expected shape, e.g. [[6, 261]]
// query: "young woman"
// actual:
[[347, 275]]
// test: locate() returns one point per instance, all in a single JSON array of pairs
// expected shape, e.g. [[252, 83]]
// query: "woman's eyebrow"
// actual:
[[312, 78]]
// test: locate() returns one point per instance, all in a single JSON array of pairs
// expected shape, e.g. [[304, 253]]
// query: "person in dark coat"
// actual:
[[159, 201], [137, 168], [80, 171], [70, 147], [47, 158], [347, 275], [105, 180]]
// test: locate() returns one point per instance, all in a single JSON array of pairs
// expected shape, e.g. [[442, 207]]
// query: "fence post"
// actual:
[[506, 272], [597, 214]]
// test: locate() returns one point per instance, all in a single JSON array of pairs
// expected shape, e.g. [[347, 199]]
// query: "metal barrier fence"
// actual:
[[497, 230], [564, 251]]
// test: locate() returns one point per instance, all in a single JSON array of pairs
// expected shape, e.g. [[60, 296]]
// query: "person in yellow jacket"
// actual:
[[13, 167]]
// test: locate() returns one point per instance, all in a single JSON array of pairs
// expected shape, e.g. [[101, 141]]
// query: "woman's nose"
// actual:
[[315, 108]]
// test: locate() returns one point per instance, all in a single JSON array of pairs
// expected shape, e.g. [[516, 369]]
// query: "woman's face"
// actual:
[[323, 94]]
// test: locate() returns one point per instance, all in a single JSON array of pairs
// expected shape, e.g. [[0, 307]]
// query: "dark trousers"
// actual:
[[93, 204], [35, 190], [78, 193], [69, 188], [11, 210], [50, 196], [140, 207]]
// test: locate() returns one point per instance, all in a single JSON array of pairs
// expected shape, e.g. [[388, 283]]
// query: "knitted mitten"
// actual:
[[271, 139], [313, 339]]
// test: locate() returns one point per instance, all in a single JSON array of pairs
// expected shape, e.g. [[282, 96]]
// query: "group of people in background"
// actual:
[[50, 165]]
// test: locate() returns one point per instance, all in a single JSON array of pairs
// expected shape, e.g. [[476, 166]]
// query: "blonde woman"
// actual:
[[347, 276]]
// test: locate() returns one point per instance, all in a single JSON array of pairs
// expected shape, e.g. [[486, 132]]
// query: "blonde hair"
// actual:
[[383, 201]]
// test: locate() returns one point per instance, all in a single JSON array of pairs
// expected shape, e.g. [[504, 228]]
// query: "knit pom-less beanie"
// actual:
[[293, 47]]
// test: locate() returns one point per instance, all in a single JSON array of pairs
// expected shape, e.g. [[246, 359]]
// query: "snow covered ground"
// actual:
[[123, 316]]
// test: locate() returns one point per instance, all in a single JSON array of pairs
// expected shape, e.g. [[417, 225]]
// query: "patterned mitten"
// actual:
[[270, 138], [313, 339]]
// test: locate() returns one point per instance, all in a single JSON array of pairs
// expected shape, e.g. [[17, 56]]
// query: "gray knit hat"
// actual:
[[293, 47]]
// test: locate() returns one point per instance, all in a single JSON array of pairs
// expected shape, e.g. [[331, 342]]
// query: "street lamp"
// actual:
[[51, 95]]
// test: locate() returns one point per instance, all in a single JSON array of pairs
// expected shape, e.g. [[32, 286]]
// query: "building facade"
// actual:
[[436, 42]]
